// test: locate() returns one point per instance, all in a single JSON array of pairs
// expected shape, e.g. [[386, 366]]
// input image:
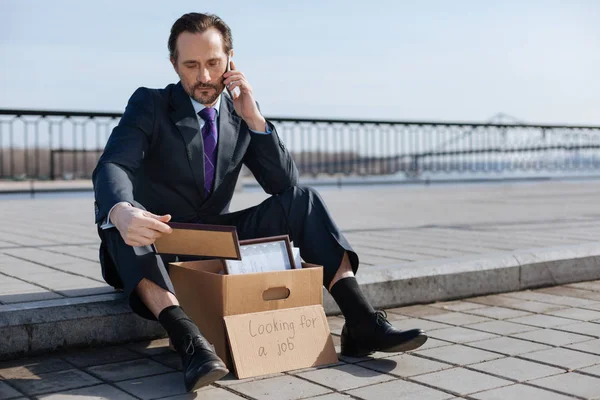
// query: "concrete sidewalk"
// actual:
[[49, 245], [541, 345]]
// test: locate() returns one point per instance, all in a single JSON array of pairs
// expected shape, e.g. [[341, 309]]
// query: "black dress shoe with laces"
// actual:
[[377, 334], [201, 366]]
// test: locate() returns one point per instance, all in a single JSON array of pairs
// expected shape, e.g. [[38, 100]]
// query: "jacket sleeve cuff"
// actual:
[[266, 132]]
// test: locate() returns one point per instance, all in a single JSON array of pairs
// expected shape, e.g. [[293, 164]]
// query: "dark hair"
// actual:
[[198, 23]]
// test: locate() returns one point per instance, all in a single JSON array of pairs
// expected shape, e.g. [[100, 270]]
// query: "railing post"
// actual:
[[52, 177]]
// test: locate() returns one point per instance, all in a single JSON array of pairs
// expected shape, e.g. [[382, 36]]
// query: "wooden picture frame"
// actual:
[[263, 265], [218, 241]]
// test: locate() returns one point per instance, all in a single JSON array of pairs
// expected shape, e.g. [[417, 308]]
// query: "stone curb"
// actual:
[[45, 326]]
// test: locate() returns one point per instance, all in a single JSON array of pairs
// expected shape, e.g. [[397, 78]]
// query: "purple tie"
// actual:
[[209, 132]]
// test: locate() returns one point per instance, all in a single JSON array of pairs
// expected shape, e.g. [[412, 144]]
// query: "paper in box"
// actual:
[[212, 298]]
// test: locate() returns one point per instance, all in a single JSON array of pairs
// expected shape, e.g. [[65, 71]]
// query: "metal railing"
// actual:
[[37, 144]]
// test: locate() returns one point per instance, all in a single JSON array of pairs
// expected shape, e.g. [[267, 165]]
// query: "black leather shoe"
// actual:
[[201, 366], [377, 334]]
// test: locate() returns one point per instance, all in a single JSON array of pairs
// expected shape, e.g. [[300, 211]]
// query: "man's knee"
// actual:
[[301, 194]]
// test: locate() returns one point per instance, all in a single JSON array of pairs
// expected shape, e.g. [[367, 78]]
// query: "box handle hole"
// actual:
[[276, 293]]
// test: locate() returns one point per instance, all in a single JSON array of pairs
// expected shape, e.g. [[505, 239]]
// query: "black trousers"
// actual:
[[298, 212]]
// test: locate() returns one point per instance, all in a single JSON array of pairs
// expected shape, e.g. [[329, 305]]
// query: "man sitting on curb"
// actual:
[[176, 155]]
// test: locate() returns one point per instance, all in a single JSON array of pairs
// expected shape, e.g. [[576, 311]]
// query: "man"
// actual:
[[176, 155]]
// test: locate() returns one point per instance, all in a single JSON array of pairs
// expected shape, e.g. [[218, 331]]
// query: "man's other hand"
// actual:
[[139, 227]]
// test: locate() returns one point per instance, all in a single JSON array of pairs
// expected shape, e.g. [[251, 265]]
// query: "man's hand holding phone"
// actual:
[[243, 100]]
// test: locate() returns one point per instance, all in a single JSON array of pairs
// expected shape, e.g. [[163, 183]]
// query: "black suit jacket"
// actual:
[[154, 159]]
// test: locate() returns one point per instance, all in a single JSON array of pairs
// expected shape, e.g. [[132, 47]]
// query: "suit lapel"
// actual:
[[184, 118], [229, 128]]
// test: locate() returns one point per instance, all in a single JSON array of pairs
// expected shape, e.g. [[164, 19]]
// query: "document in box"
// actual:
[[264, 255]]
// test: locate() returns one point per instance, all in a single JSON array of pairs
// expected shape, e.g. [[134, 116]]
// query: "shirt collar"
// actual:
[[199, 107]]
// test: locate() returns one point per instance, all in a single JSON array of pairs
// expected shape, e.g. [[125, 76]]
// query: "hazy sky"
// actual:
[[402, 60]]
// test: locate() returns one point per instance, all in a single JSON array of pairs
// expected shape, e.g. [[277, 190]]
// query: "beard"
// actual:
[[208, 97]]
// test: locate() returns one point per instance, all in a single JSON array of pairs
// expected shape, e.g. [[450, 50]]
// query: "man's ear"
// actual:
[[173, 63]]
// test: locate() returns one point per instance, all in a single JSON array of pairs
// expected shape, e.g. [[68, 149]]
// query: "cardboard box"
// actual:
[[274, 321]]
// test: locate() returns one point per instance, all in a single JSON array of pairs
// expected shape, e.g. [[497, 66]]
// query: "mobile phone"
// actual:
[[236, 90]]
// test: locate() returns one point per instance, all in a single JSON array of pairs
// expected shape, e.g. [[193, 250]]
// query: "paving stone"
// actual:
[[572, 383], [456, 318], [354, 360], [565, 358], [550, 298], [501, 327], [154, 387], [585, 328], [517, 369], [595, 306], [461, 381], [458, 305], [17, 291], [335, 325], [85, 289], [576, 313], [66, 284], [170, 359], [53, 382], [405, 365], [432, 343], [40, 256], [121, 371], [299, 371], [28, 295], [460, 335], [459, 354], [571, 292], [206, 393], [518, 304], [32, 367], [85, 268], [591, 346], [345, 377], [542, 321], [333, 396], [594, 370], [402, 390], [509, 346], [536, 306], [151, 348], [592, 285], [412, 323], [230, 379], [280, 388], [106, 355], [7, 392], [393, 317], [519, 392], [100, 392], [417, 311], [552, 337], [498, 312]]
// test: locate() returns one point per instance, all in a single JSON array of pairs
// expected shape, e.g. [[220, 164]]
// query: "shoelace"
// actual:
[[381, 318], [192, 341], [190, 347]]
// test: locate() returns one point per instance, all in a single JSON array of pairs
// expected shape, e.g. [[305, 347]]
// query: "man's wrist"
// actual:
[[113, 216], [257, 123]]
